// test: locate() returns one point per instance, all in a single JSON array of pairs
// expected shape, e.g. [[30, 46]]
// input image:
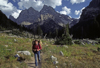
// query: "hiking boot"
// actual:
[[36, 66], [39, 62]]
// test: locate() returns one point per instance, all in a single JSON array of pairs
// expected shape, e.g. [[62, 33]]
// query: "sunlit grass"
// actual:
[[75, 56]]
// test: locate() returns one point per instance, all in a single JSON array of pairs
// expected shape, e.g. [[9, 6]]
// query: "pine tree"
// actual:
[[39, 31], [56, 32], [65, 39]]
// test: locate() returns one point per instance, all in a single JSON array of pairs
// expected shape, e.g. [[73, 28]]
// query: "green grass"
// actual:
[[75, 56], [7, 59]]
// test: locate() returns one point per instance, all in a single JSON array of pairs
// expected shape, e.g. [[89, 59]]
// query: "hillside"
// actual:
[[43, 18], [10, 27], [75, 56], [7, 23], [89, 24]]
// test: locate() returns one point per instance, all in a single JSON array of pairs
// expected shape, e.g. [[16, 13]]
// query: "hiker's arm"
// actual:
[[39, 47], [34, 49]]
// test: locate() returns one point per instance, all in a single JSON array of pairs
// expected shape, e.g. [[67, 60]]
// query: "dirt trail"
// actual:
[[31, 64]]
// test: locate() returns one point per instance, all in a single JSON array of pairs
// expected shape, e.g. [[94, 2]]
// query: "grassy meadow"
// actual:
[[75, 56]]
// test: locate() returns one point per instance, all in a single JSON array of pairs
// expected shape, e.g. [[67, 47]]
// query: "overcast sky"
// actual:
[[72, 8]]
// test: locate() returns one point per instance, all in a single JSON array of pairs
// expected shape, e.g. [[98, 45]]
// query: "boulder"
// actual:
[[56, 66], [93, 43], [61, 53], [73, 42], [17, 55], [82, 43], [65, 46], [53, 58], [55, 62], [29, 40], [24, 52], [6, 45], [15, 40], [19, 58]]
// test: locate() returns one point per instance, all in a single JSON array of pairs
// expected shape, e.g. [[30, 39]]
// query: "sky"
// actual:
[[72, 8]]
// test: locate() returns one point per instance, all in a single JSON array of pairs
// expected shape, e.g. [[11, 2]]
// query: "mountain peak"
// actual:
[[31, 8], [47, 9], [45, 6], [94, 4]]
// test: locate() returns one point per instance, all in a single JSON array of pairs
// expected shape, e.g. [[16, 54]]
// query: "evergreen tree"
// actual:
[[65, 39], [39, 31], [50, 34], [56, 32]]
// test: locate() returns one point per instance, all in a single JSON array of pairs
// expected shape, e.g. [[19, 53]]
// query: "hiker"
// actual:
[[36, 47]]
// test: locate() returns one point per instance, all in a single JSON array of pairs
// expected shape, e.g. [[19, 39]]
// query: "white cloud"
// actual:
[[9, 9], [79, 12], [65, 10], [52, 3], [68, 10], [16, 14], [38, 4], [6, 7], [25, 4], [76, 1]]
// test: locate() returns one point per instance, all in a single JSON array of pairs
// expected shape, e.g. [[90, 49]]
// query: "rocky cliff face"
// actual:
[[28, 15], [47, 18], [91, 11], [46, 13], [88, 26]]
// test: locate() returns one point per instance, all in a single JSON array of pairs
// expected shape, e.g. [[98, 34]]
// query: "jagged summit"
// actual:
[[28, 15], [47, 13], [48, 10]]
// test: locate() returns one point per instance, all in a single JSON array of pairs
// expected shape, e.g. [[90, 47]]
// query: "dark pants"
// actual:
[[37, 54]]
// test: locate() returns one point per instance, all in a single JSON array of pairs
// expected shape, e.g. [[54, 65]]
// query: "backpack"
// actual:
[[33, 43]]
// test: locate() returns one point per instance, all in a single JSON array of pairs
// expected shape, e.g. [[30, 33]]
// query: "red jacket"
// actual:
[[37, 46]]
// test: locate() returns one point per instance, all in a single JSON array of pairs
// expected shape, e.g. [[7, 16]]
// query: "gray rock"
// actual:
[[15, 40], [61, 53], [93, 43], [6, 45], [56, 66], [55, 62], [82, 43], [65, 46], [24, 52], [73, 42], [17, 55], [53, 58], [29, 40]]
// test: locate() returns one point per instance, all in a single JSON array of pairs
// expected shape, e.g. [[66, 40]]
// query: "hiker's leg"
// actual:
[[35, 54], [39, 56]]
